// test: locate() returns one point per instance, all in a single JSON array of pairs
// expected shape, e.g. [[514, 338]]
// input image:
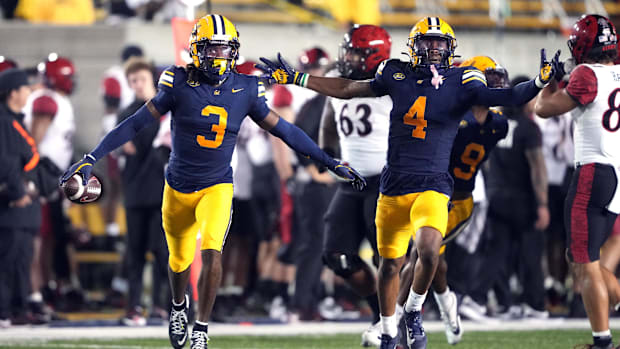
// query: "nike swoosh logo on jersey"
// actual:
[[236, 90]]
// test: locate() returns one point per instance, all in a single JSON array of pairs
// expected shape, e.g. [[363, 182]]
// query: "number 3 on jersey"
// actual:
[[219, 128], [415, 118]]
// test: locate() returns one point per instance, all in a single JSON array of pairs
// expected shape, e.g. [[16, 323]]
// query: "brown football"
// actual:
[[79, 193]]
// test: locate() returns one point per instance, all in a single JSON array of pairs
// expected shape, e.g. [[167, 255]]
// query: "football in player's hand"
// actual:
[[79, 193]]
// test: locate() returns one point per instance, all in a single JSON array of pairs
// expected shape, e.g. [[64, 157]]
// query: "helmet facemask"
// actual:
[[216, 58], [352, 62], [430, 49], [497, 78]]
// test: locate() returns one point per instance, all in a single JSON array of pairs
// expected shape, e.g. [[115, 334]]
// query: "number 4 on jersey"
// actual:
[[415, 118]]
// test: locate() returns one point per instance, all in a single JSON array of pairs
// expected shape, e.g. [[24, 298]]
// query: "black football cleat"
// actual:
[[177, 327], [416, 337], [388, 342]]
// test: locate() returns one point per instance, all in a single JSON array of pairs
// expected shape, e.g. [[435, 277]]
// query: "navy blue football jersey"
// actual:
[[472, 145], [424, 121], [205, 123]]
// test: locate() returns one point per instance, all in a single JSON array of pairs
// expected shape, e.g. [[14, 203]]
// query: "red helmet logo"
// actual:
[[58, 73], [363, 48], [592, 36]]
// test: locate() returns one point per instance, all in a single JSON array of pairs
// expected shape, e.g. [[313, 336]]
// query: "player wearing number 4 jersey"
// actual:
[[593, 200], [208, 101], [478, 133], [429, 100]]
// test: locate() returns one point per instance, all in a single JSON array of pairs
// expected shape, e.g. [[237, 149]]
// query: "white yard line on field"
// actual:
[[20, 334]]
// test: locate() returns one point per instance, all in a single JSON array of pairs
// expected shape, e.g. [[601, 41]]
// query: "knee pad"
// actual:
[[343, 265]]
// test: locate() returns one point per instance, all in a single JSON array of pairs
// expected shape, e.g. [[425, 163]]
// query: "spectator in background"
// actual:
[[287, 101], [518, 212], [117, 95], [312, 196], [143, 183], [50, 120], [20, 215], [558, 153]]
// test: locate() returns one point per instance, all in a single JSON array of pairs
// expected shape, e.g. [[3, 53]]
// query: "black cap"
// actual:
[[131, 51], [12, 79]]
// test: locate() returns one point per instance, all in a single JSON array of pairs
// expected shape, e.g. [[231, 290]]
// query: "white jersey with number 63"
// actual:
[[363, 127]]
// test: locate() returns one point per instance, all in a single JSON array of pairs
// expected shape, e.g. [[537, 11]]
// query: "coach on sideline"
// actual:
[[20, 214]]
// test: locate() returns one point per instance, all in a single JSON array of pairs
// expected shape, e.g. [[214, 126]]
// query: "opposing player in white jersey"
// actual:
[[593, 200], [359, 127]]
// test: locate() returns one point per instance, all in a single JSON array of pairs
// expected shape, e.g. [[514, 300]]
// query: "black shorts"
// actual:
[[243, 218], [587, 221], [351, 217], [266, 200]]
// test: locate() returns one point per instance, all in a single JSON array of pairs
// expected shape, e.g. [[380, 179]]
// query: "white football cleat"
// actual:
[[450, 318], [371, 337]]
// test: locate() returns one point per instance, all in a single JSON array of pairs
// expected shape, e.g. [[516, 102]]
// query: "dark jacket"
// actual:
[[19, 153], [143, 174]]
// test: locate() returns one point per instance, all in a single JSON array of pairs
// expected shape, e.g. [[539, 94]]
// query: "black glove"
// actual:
[[350, 175]]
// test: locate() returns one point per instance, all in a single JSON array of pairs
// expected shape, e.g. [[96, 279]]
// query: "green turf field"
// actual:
[[472, 340]]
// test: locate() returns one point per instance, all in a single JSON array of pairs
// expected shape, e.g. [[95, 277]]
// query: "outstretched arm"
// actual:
[[122, 133], [283, 73], [339, 87], [518, 95], [300, 142], [523, 92]]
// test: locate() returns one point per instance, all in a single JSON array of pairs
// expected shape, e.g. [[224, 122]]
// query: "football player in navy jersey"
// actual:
[[208, 102], [430, 98], [478, 133]]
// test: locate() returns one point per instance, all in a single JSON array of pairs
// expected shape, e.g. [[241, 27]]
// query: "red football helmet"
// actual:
[[592, 36], [248, 68], [363, 48], [7, 63], [312, 58], [58, 73]]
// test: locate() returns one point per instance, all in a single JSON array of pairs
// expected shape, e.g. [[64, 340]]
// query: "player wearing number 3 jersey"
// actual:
[[208, 101], [429, 100], [593, 199]]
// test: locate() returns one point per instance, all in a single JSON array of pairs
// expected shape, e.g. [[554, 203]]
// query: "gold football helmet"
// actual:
[[431, 36], [496, 75], [214, 46]]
